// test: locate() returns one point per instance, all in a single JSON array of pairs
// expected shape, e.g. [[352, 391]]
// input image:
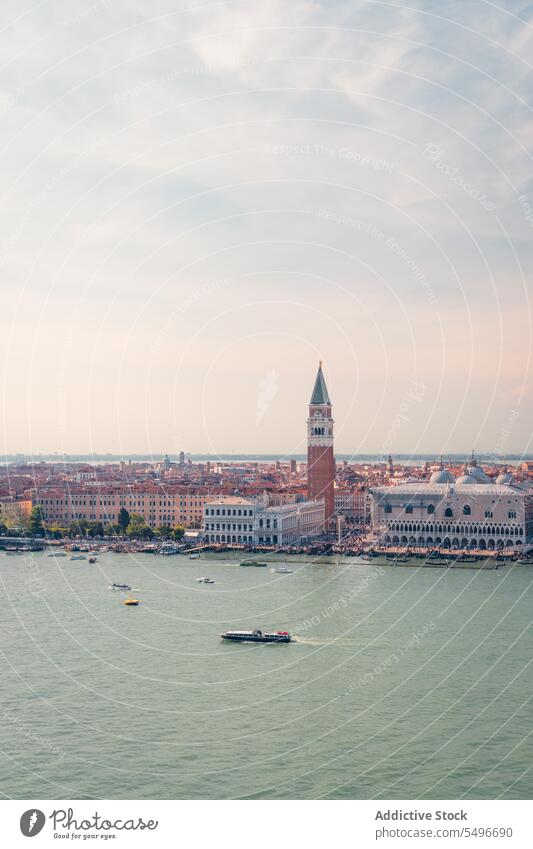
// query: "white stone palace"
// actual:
[[471, 512], [248, 521]]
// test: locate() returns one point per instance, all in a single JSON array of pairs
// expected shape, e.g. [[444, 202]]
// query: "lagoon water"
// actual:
[[402, 682]]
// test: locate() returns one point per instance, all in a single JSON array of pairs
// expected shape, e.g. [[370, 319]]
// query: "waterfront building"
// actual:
[[248, 521], [14, 511], [353, 505], [472, 511], [158, 507], [320, 456]]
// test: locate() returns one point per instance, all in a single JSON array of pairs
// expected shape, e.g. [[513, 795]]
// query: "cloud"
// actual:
[[149, 152]]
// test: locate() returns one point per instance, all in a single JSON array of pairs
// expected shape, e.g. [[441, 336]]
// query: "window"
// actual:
[[488, 514], [409, 508], [431, 508], [512, 514], [467, 510], [388, 508], [448, 512]]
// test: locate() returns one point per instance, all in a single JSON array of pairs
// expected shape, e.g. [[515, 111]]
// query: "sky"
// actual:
[[202, 200]]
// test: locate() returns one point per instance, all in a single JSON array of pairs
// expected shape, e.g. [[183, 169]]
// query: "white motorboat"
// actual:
[[205, 580]]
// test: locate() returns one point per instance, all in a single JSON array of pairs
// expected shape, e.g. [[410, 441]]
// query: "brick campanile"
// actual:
[[320, 458]]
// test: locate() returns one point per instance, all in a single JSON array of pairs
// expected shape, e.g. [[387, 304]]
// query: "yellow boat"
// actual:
[[130, 601]]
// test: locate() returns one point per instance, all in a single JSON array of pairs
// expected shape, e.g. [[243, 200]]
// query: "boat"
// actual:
[[168, 549], [131, 602], [92, 559], [256, 563], [205, 581], [125, 587], [194, 556], [57, 554], [282, 570], [257, 636], [77, 557]]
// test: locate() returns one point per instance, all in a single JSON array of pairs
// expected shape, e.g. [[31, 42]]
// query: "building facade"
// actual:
[[470, 512], [247, 521], [101, 504], [320, 456], [353, 505], [14, 512]]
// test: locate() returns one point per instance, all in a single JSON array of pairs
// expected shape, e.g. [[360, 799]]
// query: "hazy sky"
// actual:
[[201, 200]]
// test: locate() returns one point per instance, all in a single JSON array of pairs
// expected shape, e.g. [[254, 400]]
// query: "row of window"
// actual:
[[226, 511], [467, 511]]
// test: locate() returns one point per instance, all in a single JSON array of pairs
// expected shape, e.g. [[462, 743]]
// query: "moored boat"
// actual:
[[125, 587], [256, 563], [257, 636]]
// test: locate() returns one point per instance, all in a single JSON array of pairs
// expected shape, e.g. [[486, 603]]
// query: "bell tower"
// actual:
[[320, 458]]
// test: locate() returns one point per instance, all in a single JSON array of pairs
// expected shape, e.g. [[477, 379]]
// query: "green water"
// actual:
[[403, 683]]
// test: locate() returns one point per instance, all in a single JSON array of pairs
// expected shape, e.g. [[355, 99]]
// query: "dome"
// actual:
[[473, 470], [442, 476], [466, 479], [505, 479], [478, 474]]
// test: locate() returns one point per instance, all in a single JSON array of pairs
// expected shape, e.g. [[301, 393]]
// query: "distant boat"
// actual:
[[194, 556], [282, 570], [92, 559], [257, 636], [131, 602], [125, 587], [168, 549], [256, 563], [205, 581], [77, 557], [57, 554]]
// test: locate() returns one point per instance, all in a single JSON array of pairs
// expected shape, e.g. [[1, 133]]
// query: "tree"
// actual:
[[138, 528], [3, 528], [123, 519], [95, 529], [178, 532], [78, 528], [57, 532], [164, 531], [36, 528]]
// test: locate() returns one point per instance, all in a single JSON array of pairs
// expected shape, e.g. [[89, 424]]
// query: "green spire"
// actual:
[[320, 392]]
